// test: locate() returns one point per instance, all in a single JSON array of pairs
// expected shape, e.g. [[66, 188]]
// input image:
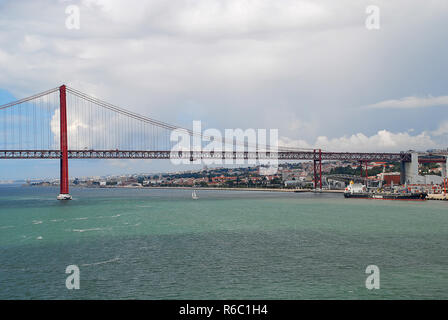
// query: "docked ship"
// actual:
[[359, 191]]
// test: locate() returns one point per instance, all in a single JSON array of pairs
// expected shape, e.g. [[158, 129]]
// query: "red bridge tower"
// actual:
[[64, 194]]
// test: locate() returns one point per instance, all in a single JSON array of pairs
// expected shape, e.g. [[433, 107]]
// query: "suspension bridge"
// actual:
[[64, 123]]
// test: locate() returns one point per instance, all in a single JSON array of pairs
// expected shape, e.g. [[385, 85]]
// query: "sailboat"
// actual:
[[194, 196]]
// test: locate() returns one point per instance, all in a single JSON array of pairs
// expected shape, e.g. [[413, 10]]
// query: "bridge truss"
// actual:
[[193, 155]]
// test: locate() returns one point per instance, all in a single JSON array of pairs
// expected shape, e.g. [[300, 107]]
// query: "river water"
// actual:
[[161, 244]]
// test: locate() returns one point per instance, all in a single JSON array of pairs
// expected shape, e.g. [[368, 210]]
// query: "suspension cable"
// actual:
[[161, 124]]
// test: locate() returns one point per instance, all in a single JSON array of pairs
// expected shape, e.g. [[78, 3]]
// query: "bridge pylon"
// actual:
[[64, 192]]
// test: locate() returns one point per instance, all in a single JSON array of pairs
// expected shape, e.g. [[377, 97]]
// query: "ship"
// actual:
[[359, 191]]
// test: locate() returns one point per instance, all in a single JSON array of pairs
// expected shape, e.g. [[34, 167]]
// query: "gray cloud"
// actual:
[[410, 103], [301, 66]]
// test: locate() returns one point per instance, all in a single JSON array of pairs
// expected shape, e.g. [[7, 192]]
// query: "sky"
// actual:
[[308, 68]]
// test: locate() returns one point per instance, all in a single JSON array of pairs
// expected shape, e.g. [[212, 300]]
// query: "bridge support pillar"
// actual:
[[445, 175], [317, 168], [402, 172], [409, 170], [444, 168], [366, 164], [64, 193]]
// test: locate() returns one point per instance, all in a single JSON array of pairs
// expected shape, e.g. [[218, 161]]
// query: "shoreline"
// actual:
[[223, 189], [439, 197], [429, 197], [201, 188]]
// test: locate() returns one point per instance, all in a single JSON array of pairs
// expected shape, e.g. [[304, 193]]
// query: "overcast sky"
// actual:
[[309, 68]]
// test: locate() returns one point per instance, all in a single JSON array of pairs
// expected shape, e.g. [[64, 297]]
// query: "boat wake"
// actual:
[[92, 229], [100, 262]]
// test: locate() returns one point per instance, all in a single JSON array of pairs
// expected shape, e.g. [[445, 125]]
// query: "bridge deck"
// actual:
[[121, 154]]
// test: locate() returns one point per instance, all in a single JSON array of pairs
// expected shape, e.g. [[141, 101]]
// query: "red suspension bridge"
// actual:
[[64, 123]]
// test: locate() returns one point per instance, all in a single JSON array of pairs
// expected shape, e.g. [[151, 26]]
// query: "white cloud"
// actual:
[[382, 141], [31, 43], [442, 129], [410, 103]]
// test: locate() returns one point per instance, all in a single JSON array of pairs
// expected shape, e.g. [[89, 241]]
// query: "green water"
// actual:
[[160, 244]]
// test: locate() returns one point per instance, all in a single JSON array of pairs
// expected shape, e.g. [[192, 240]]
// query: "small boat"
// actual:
[[194, 196]]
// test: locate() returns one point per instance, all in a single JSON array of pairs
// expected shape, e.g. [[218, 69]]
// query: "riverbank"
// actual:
[[429, 197], [226, 189], [196, 188]]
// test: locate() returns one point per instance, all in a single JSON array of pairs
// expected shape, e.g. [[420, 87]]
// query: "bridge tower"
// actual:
[[64, 193]]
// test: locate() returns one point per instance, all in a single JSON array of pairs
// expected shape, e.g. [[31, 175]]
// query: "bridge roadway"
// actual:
[[281, 155]]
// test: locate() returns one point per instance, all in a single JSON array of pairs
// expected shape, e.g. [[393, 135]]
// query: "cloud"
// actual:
[[209, 18], [410, 103], [442, 129], [382, 141], [31, 44]]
